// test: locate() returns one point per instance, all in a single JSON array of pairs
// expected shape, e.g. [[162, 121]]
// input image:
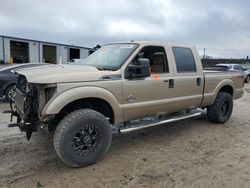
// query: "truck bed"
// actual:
[[213, 81]]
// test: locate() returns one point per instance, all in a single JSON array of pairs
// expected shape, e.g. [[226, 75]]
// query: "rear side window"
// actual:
[[236, 67], [222, 67], [184, 59]]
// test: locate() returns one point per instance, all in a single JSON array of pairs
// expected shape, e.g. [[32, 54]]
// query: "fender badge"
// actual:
[[131, 98]]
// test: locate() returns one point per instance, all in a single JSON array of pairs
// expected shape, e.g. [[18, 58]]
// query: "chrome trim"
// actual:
[[111, 77], [170, 120]]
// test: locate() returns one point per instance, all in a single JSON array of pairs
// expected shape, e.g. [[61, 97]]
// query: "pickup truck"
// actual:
[[121, 87]]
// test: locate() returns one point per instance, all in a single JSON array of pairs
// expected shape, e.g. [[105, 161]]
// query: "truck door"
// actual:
[[150, 95], [188, 77]]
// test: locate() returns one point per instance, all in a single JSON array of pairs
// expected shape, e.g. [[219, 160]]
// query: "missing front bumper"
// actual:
[[28, 127], [25, 107]]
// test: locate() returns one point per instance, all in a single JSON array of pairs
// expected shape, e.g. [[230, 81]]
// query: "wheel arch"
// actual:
[[226, 85], [227, 89], [96, 104], [87, 97]]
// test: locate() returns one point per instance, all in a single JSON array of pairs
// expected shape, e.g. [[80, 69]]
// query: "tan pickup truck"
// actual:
[[120, 88]]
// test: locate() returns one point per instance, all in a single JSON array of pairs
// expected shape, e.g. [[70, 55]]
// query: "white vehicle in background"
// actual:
[[76, 61], [234, 67]]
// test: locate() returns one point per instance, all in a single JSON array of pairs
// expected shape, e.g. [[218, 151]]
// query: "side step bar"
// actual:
[[160, 122]]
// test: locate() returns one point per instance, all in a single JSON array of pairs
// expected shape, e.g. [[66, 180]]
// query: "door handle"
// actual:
[[198, 81], [170, 82]]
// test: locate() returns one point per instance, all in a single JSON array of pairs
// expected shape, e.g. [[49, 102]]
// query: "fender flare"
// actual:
[[226, 82], [58, 102], [210, 97]]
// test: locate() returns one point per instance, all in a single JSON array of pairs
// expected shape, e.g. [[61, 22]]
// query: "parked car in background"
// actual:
[[8, 78], [234, 67]]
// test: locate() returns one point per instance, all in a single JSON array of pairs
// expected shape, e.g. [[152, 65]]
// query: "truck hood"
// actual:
[[62, 73]]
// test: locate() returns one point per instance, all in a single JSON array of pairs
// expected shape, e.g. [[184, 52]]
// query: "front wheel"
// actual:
[[82, 137], [222, 108]]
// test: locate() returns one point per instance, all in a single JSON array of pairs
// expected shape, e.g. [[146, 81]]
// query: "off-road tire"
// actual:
[[216, 112], [66, 131]]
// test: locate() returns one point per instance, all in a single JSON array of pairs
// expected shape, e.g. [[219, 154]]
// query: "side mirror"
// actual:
[[244, 69], [140, 69]]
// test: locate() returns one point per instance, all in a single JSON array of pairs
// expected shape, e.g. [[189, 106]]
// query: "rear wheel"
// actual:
[[82, 137], [222, 108]]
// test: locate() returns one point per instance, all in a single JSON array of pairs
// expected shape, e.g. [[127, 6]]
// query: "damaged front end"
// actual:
[[25, 106]]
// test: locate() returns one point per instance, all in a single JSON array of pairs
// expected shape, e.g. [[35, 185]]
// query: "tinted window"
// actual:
[[184, 59], [222, 67]]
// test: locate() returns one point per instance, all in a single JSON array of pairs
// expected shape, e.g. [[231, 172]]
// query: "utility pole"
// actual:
[[204, 56], [204, 53]]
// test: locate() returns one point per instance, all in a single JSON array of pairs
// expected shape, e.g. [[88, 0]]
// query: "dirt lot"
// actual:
[[192, 153]]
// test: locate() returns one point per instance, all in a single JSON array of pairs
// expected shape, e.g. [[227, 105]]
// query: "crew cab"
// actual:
[[121, 87]]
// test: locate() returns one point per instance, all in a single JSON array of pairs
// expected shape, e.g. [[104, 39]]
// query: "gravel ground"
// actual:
[[190, 153]]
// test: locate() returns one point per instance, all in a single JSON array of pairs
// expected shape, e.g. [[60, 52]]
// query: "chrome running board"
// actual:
[[156, 122]]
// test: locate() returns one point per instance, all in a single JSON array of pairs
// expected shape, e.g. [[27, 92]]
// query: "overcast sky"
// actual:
[[215, 25]]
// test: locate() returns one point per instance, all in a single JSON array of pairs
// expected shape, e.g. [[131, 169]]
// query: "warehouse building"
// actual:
[[20, 50]]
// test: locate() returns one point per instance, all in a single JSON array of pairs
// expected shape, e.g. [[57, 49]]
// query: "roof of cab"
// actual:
[[151, 43]]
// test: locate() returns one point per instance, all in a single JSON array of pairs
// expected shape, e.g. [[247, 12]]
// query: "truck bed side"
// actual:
[[215, 81]]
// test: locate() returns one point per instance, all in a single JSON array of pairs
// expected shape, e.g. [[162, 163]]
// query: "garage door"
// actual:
[[74, 53], [19, 51], [49, 54]]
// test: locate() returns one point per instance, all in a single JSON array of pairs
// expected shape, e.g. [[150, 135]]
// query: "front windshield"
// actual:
[[110, 57]]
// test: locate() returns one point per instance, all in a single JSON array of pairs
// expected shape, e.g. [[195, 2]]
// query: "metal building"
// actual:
[[20, 50]]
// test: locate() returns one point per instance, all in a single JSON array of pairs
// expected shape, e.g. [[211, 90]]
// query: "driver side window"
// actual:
[[157, 58]]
